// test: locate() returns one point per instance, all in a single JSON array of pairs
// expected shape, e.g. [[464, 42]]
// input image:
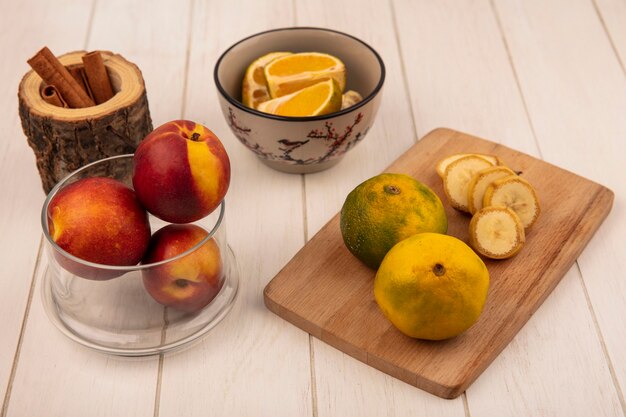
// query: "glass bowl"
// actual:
[[116, 314]]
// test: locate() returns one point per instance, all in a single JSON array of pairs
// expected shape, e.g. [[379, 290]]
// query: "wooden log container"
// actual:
[[65, 139]]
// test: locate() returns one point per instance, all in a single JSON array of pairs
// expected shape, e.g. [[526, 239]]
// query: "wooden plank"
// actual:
[[27, 26], [70, 380], [330, 291], [458, 72], [611, 14], [503, 390], [570, 59], [253, 363], [343, 385], [57, 368], [460, 76]]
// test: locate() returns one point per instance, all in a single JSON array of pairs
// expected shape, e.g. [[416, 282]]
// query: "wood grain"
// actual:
[[343, 385], [557, 92], [585, 77], [327, 292], [74, 381], [20, 185], [71, 380], [462, 75], [253, 363]]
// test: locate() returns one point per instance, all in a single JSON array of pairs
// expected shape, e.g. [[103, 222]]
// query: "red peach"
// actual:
[[191, 282], [99, 220], [181, 172]]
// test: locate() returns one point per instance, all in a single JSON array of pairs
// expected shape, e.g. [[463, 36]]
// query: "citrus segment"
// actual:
[[517, 194], [385, 209], [321, 98], [296, 71], [496, 232], [431, 286], [254, 87]]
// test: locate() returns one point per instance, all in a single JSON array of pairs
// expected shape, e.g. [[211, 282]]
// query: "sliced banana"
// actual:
[[496, 232], [443, 164], [350, 98], [480, 182], [517, 194], [457, 177]]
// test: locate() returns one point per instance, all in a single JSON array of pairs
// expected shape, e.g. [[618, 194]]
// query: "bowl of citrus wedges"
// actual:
[[429, 284], [300, 98]]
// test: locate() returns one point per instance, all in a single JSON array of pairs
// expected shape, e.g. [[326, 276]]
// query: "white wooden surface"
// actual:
[[544, 77]]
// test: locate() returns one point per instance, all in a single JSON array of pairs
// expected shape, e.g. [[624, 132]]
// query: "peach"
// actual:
[[181, 172], [99, 220], [188, 283]]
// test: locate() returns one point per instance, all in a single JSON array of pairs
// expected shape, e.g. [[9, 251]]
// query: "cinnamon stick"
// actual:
[[81, 78], [54, 73], [51, 95], [97, 77]]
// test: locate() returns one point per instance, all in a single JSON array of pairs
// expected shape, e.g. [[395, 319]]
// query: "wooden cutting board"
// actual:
[[327, 292]]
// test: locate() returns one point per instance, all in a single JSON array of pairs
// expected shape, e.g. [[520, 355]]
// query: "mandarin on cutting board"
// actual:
[[431, 286], [386, 209]]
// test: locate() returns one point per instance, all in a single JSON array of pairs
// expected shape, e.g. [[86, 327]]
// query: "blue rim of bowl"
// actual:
[[246, 109], [128, 268]]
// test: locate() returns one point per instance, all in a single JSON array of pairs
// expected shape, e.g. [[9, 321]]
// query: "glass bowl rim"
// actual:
[[126, 268], [240, 106]]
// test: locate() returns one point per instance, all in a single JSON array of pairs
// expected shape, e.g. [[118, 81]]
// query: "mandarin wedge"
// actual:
[[321, 98], [294, 72], [254, 86]]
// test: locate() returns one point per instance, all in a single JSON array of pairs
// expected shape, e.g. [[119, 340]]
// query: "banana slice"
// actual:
[[350, 98], [517, 194], [480, 182], [458, 176], [443, 164], [496, 232]]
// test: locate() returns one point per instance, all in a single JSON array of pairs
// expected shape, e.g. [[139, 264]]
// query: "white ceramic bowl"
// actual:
[[301, 144]]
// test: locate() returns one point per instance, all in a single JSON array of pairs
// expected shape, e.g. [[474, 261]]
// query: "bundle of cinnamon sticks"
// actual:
[[75, 87]]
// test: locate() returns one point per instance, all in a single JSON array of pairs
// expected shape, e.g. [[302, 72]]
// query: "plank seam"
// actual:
[[20, 340], [314, 409], [465, 404], [515, 75], [94, 5], [609, 37], [305, 218], [157, 393], [183, 110], [605, 350], [405, 80], [183, 106]]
